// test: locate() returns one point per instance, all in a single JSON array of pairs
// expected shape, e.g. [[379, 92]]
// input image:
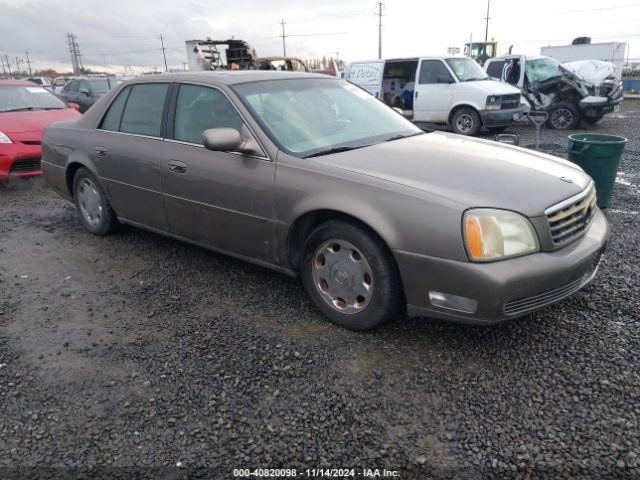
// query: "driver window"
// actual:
[[431, 70], [200, 108], [71, 86]]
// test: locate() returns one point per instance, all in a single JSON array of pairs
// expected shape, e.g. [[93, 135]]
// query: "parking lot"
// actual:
[[138, 350]]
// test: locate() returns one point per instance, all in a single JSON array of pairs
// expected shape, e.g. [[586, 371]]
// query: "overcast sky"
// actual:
[[114, 33]]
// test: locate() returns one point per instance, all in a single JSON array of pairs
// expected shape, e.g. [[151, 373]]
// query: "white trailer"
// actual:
[[613, 52]]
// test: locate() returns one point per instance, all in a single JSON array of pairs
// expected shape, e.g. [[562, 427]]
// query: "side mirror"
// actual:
[[444, 79], [221, 139], [84, 91], [73, 105]]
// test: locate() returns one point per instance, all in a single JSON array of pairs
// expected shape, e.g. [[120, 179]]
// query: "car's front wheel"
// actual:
[[351, 276], [91, 201], [564, 116], [466, 121]]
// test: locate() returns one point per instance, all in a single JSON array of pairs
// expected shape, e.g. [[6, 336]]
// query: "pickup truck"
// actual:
[[550, 87], [444, 90]]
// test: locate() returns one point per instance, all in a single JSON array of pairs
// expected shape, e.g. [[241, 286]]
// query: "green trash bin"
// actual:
[[599, 156]]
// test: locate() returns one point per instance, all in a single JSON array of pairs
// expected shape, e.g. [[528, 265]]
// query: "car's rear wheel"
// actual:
[[351, 276], [91, 201], [466, 121]]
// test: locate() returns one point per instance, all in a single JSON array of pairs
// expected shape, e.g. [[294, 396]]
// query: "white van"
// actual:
[[448, 90]]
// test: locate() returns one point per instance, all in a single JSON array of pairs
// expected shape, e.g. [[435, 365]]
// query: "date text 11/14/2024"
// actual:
[[316, 473]]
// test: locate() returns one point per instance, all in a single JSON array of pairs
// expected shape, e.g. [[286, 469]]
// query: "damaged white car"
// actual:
[[561, 90]]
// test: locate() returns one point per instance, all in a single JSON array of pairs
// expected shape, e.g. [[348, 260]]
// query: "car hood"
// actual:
[[492, 87], [469, 171], [33, 121]]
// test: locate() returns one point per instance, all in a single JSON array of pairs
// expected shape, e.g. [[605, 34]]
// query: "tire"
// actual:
[[563, 116], [496, 130], [466, 121], [92, 204], [350, 275]]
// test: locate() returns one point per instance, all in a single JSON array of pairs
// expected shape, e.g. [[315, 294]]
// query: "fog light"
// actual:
[[453, 302]]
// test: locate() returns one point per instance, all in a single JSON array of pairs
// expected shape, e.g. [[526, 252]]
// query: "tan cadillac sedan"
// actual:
[[311, 176]]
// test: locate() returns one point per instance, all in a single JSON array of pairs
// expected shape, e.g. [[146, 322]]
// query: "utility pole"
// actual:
[[28, 62], [73, 51], [284, 46], [184, 66], [6, 59], [18, 66], [379, 14], [164, 55], [486, 31]]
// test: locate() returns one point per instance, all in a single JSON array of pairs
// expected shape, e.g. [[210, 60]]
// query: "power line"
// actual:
[[602, 8]]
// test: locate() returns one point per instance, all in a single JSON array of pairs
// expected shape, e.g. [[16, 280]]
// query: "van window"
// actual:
[[494, 69], [143, 111], [431, 70]]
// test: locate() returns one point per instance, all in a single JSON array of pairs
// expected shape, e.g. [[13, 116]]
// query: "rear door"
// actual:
[[220, 199], [433, 91], [367, 75], [127, 149]]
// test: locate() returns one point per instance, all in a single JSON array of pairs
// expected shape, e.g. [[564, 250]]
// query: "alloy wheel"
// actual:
[[561, 118], [464, 123]]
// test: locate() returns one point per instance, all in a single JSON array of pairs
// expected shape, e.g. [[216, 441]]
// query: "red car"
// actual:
[[25, 110]]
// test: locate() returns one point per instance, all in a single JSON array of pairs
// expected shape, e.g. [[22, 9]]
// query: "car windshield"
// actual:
[[15, 98], [101, 85], [542, 69], [467, 69], [307, 117]]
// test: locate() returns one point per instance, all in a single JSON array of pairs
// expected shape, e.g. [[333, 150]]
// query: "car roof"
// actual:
[[17, 83], [229, 77]]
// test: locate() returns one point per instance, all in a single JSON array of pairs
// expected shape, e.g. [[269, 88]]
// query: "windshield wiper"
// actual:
[[400, 137], [475, 79], [338, 149], [21, 109]]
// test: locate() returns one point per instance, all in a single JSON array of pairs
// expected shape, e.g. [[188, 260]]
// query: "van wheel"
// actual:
[[563, 116], [351, 276], [466, 121], [91, 201]]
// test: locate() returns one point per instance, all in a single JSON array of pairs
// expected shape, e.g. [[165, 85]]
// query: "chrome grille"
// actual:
[[569, 219]]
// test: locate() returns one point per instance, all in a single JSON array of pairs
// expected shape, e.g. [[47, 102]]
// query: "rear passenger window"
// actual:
[[143, 109], [111, 120], [200, 108]]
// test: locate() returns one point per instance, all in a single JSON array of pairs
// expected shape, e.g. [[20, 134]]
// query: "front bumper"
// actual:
[[501, 118], [598, 106], [11, 152], [504, 289]]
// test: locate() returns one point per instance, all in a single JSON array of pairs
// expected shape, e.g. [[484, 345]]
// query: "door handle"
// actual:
[[177, 167], [416, 94], [100, 151]]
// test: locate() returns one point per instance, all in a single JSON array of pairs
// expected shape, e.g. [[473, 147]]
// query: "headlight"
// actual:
[[496, 234], [494, 102], [4, 138]]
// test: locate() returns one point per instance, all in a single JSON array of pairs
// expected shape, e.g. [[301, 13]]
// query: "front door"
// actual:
[[433, 91], [127, 149], [220, 199]]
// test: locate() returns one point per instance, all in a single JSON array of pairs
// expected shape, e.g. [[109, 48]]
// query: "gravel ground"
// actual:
[[138, 356]]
